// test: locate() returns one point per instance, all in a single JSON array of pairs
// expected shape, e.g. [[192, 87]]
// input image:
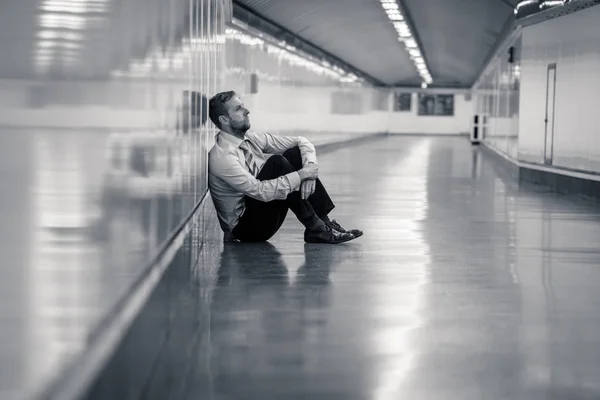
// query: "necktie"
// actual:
[[246, 147]]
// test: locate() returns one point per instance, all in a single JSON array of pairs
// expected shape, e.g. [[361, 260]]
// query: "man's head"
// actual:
[[228, 113]]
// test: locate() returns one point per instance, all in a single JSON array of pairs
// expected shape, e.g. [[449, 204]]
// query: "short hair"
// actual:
[[216, 106]]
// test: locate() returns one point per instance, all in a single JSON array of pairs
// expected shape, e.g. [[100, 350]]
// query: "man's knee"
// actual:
[[281, 162], [294, 151], [294, 156], [275, 167]]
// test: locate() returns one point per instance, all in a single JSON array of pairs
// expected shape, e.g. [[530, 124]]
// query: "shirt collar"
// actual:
[[229, 141]]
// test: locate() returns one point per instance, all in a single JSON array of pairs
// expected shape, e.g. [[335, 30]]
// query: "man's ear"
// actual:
[[223, 120]]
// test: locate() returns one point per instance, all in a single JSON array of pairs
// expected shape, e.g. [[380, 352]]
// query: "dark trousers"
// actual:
[[261, 220]]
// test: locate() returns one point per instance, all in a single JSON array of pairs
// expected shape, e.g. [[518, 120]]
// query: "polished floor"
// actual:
[[464, 286]]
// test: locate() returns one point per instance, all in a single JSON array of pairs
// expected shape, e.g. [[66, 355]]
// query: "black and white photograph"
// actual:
[[299, 200]]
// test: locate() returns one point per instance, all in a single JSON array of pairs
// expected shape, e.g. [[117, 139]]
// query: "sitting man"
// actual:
[[255, 177]]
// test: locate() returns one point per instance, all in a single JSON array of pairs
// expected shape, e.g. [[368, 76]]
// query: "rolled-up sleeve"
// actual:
[[275, 144], [230, 169]]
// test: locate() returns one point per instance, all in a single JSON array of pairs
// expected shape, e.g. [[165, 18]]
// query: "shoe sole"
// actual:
[[324, 242]]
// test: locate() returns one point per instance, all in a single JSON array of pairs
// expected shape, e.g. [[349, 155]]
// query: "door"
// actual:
[[549, 121]]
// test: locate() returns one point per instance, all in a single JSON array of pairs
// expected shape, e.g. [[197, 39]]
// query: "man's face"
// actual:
[[238, 115]]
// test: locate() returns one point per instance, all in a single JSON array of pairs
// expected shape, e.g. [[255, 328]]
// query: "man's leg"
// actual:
[[320, 200], [261, 220]]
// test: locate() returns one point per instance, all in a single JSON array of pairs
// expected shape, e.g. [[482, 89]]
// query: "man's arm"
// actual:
[[275, 144], [231, 171]]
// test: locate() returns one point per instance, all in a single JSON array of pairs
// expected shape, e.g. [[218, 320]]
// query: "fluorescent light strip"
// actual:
[[523, 4], [551, 3], [294, 57], [392, 9], [547, 3]]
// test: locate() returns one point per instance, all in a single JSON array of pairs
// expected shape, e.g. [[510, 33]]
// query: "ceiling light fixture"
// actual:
[[293, 56], [552, 3], [389, 6], [411, 43], [394, 13], [523, 4]]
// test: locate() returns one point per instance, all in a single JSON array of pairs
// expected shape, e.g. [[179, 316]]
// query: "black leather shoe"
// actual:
[[334, 225], [327, 235]]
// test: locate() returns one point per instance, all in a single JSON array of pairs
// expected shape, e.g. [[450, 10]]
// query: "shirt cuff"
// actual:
[[294, 180], [310, 157]]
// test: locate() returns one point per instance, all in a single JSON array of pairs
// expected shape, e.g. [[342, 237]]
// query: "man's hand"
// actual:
[[310, 171], [307, 188]]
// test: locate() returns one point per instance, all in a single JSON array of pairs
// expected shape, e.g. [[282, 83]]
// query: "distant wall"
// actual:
[[412, 122]]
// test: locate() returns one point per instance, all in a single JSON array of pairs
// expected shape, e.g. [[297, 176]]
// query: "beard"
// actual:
[[241, 128]]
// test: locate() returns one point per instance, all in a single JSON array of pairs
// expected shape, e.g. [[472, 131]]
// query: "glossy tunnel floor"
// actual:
[[464, 286]]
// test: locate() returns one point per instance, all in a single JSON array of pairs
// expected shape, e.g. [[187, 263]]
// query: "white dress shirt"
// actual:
[[229, 178]]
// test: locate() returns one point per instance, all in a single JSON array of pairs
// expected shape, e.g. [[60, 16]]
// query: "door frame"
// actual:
[[549, 152]]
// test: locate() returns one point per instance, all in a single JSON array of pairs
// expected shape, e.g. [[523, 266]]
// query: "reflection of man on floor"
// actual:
[[260, 315], [255, 177]]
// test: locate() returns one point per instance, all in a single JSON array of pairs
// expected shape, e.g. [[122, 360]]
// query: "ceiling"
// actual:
[[455, 36]]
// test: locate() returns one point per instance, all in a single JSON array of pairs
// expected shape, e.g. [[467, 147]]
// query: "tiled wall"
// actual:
[[111, 83], [496, 95], [102, 155], [572, 43]]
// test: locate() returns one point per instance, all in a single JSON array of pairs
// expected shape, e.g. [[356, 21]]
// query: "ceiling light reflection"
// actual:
[[292, 56], [56, 35], [398, 318], [62, 21], [62, 26], [64, 261]]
